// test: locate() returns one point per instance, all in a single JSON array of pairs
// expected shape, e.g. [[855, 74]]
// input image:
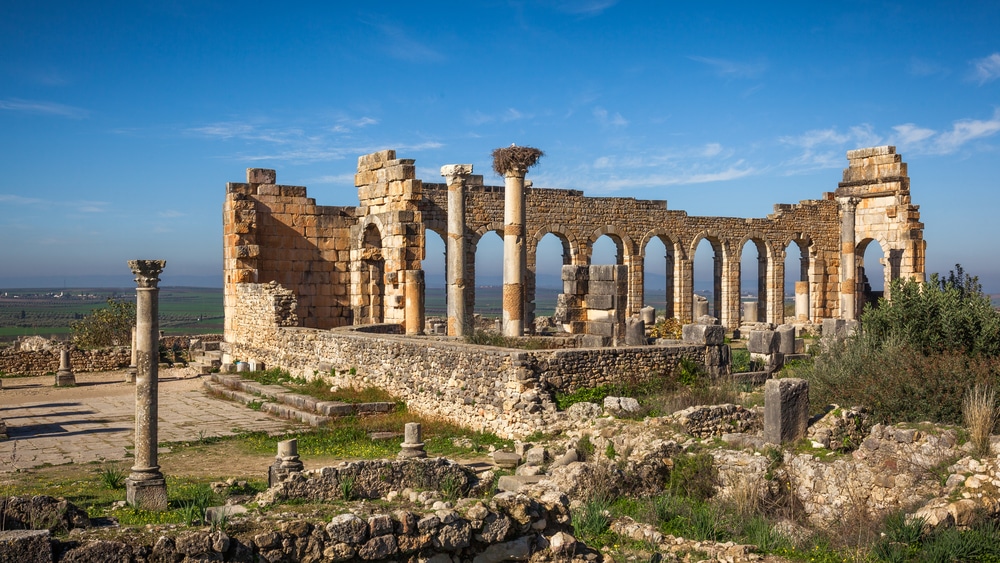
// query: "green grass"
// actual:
[[318, 387]]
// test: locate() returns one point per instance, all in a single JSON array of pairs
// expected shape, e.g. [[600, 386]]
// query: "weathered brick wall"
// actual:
[[42, 362]]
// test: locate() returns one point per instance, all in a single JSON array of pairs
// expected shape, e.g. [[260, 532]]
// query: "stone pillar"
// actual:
[[132, 369], [413, 444], [750, 312], [285, 462], [413, 295], [145, 487], [514, 252], [669, 310], [848, 265], [65, 377], [802, 301], [762, 289], [459, 321], [786, 410]]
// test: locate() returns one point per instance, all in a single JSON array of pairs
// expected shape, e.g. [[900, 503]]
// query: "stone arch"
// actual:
[[472, 251], [725, 297], [802, 286], [863, 276], [769, 297], [672, 271], [626, 247], [570, 255]]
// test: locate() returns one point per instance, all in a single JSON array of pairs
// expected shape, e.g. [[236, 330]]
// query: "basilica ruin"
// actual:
[[309, 286]]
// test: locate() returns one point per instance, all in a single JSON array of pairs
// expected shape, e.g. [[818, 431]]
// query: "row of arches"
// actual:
[[658, 253]]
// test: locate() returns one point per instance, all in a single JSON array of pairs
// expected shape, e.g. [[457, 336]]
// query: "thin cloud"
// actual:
[[606, 119], [825, 148], [987, 69], [921, 67], [911, 134], [399, 45], [43, 108], [585, 7], [332, 179], [734, 172], [727, 68], [476, 118], [85, 206], [966, 130], [19, 200]]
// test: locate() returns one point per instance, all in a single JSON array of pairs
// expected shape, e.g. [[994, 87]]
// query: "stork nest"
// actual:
[[509, 159]]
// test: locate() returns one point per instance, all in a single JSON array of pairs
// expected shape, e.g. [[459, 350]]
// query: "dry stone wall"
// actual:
[[41, 362]]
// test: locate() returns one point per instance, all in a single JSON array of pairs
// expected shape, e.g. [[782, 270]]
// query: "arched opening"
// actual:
[[435, 275], [707, 279], [796, 283], [753, 281], [488, 300], [372, 310], [551, 254], [658, 276], [607, 250], [870, 261]]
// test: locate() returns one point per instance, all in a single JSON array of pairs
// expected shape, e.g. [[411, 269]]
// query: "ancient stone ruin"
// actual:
[[294, 270]]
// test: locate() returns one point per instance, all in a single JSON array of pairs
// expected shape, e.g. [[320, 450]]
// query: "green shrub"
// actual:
[[693, 476], [915, 356], [110, 326]]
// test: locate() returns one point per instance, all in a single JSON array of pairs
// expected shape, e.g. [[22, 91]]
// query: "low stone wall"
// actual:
[[507, 391], [41, 362]]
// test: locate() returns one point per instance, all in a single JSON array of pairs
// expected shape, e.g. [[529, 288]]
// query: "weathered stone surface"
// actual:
[[786, 410], [347, 528], [25, 546], [703, 334]]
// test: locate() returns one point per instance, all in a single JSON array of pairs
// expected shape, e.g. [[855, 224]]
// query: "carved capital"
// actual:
[[147, 272], [850, 205], [456, 173]]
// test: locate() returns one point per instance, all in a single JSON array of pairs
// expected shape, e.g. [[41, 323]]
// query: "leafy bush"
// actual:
[[915, 356], [110, 326], [938, 316], [667, 328]]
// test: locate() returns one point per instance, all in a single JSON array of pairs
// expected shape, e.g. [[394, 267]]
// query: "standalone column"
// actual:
[[848, 267], [459, 321], [145, 487], [514, 256], [413, 301], [512, 163]]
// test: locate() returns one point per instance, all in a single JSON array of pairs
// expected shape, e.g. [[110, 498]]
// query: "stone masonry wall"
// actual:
[[41, 362], [503, 390]]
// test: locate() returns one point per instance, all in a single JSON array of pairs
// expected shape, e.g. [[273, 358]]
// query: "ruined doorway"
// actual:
[[372, 310]]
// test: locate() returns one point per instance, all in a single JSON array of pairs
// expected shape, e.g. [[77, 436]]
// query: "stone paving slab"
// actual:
[[57, 427]]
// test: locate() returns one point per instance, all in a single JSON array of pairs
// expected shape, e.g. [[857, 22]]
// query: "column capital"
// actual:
[[147, 272], [452, 171], [850, 204]]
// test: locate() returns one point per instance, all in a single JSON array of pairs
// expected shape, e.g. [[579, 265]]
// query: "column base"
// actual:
[[146, 493], [65, 379]]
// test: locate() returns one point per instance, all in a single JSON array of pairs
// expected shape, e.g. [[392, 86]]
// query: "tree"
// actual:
[[110, 326]]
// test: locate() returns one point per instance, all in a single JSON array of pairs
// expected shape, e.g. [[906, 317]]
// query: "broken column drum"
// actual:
[[145, 486], [65, 377]]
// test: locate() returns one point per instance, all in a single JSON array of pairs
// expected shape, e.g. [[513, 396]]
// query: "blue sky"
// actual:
[[121, 122]]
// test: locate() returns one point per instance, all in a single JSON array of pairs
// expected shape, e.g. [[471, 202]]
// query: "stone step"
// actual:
[[281, 395], [278, 409]]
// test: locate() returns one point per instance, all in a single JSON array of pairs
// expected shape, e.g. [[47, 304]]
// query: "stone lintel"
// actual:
[[869, 152]]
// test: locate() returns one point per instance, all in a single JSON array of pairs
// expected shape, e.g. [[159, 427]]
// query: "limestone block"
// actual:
[[602, 273], [25, 546], [261, 176], [703, 335], [599, 315], [648, 315], [599, 301], [763, 342], [599, 328], [786, 339], [635, 332], [602, 287], [786, 410]]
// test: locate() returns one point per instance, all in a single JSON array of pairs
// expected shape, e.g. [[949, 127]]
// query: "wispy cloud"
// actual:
[[332, 179], [606, 119], [911, 134], [825, 148], [738, 170], [732, 69], [966, 130], [584, 7], [84, 206], [987, 69], [43, 108], [399, 45], [347, 124], [476, 118], [923, 67]]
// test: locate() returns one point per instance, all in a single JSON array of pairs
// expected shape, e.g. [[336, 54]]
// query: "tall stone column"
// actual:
[[514, 253], [512, 163], [413, 301], [145, 487], [459, 321], [848, 265]]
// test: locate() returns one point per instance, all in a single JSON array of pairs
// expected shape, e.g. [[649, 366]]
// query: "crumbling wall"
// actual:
[[41, 362]]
